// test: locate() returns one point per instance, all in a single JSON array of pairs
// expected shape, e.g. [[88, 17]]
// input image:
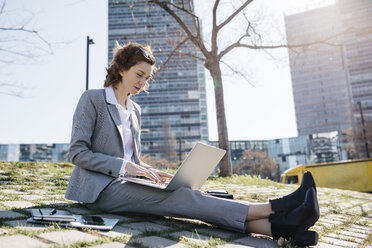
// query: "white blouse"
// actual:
[[126, 126]]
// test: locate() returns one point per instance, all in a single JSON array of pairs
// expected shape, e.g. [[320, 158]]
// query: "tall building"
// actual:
[[320, 85], [174, 113], [330, 81], [55, 153], [3, 152], [289, 152], [36, 152], [294, 151], [237, 147], [356, 18]]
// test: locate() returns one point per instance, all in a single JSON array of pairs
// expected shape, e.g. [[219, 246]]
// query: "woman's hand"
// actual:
[[162, 175], [136, 170]]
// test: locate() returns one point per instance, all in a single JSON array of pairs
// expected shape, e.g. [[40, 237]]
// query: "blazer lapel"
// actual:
[[116, 117], [135, 130]]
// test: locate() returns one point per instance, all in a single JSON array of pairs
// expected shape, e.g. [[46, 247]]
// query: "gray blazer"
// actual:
[[96, 147]]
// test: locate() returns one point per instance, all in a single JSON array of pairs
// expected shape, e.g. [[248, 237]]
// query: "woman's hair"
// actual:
[[126, 56]]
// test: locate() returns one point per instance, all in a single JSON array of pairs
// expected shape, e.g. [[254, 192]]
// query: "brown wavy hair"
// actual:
[[126, 56]]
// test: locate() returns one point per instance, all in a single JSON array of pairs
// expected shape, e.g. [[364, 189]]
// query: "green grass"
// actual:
[[51, 179], [31, 175], [55, 174], [245, 180], [83, 243]]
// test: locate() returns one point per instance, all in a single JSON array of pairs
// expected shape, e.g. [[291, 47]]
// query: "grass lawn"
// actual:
[[44, 184]]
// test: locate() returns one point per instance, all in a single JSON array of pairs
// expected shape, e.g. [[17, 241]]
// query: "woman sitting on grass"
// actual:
[[105, 144]]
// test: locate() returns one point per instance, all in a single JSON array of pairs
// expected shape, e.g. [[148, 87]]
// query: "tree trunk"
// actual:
[[225, 165]]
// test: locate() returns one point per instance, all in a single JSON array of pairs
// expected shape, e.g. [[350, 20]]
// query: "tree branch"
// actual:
[[7, 61], [214, 29], [250, 26], [232, 46], [17, 53], [17, 93], [2, 7], [12, 93], [196, 40], [172, 53], [192, 56], [238, 72], [233, 14], [30, 31], [183, 9], [195, 19], [256, 47], [288, 45]]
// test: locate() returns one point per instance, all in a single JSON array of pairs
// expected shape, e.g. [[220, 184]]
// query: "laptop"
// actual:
[[192, 173]]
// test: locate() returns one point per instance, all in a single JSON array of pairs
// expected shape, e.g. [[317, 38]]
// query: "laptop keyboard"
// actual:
[[148, 181], [159, 183]]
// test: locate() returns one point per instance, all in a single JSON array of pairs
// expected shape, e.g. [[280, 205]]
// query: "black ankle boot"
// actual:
[[303, 216], [295, 199], [305, 238], [293, 225], [296, 237]]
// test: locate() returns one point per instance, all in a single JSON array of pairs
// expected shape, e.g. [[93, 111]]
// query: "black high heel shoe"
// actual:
[[295, 199], [314, 217], [299, 237], [293, 225], [305, 238]]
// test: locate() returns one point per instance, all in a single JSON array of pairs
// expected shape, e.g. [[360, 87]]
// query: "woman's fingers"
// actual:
[[151, 175], [157, 174], [164, 174]]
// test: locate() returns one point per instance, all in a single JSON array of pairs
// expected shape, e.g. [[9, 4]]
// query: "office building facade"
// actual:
[[55, 153], [356, 18], [287, 152], [237, 147], [174, 113], [330, 80], [9, 152], [293, 151], [320, 85]]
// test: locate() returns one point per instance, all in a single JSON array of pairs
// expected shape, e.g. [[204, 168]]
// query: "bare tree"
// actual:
[[19, 43], [358, 140], [220, 43], [251, 38], [160, 163], [257, 163]]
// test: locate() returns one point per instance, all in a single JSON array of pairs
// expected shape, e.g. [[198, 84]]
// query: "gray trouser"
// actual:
[[185, 203]]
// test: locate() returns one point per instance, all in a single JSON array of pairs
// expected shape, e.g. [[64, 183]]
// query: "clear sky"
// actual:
[[54, 82]]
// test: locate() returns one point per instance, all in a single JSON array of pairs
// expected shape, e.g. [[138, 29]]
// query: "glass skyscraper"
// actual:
[[330, 79], [319, 78], [174, 113], [356, 18]]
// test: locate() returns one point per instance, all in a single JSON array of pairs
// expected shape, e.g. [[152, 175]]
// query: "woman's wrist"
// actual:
[[123, 167]]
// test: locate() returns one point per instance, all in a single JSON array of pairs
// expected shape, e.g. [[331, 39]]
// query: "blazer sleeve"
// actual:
[[138, 115], [80, 152], [143, 164]]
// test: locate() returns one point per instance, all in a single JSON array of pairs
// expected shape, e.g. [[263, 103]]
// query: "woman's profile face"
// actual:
[[134, 79]]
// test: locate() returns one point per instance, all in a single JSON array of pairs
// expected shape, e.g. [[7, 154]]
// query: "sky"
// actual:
[[53, 81]]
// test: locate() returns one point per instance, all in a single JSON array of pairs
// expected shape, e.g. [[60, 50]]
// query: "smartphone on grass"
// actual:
[[93, 220]]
